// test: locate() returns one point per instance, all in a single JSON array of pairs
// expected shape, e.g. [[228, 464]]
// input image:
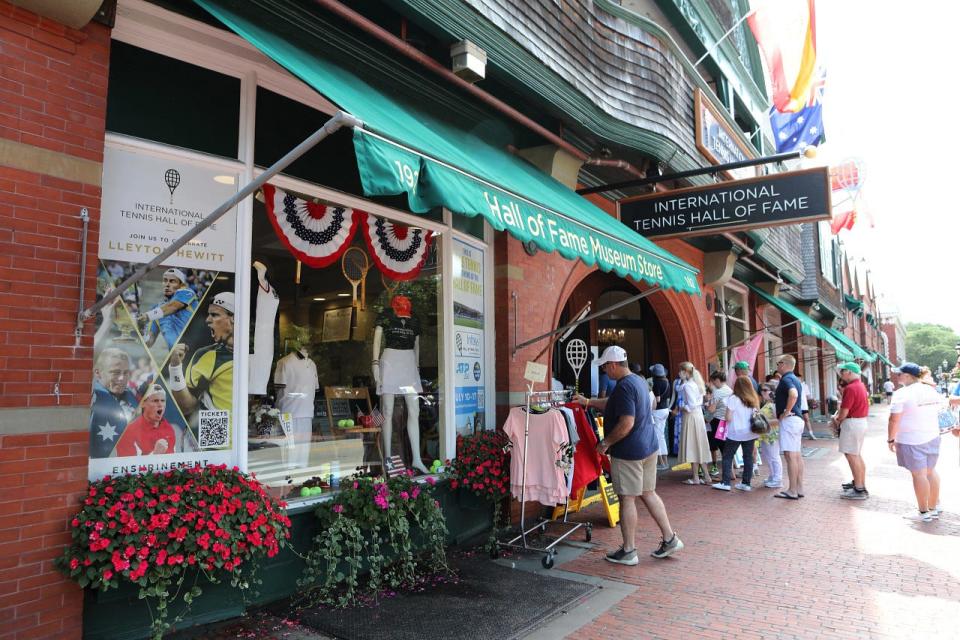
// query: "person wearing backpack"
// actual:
[[741, 408]]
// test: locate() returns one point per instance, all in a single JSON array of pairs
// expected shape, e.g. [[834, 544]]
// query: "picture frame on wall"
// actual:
[[336, 324]]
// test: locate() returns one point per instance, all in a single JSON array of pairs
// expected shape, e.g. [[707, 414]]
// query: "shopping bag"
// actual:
[[721, 431]]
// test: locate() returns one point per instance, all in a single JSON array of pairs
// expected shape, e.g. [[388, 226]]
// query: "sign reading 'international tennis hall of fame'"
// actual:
[[784, 198]]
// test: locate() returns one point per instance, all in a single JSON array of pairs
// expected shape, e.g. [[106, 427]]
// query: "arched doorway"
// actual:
[[649, 329]]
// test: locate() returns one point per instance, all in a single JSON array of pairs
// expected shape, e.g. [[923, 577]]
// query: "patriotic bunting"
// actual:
[[399, 251], [318, 234]]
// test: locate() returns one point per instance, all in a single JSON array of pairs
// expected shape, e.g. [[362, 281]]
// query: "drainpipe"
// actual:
[[384, 36]]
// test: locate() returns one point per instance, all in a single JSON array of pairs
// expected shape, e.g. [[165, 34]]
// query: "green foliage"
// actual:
[[931, 344], [374, 521], [163, 531]]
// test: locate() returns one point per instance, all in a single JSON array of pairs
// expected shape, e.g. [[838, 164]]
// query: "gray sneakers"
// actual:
[[668, 547], [620, 556], [855, 494]]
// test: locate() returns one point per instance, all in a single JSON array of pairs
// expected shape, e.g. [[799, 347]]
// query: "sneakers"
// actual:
[[770, 484], [934, 514], [742, 487], [628, 558], [855, 494], [918, 516], [847, 485], [668, 548], [719, 486]]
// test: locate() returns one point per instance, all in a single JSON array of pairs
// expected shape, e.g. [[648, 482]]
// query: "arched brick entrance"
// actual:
[[680, 320]]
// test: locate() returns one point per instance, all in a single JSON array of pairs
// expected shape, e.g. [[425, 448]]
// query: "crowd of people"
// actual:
[[717, 422]]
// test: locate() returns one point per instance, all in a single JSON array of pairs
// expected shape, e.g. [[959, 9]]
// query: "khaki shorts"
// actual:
[[634, 477], [852, 431]]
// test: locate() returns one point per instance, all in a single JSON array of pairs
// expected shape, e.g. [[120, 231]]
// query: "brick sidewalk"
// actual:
[[821, 567]]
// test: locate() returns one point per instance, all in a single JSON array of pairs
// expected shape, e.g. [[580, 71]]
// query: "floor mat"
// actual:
[[489, 601]]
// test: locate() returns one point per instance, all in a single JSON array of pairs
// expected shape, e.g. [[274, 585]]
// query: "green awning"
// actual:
[[884, 359], [807, 325], [411, 145], [859, 352], [852, 303]]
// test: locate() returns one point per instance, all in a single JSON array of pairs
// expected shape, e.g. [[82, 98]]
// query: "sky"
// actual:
[[889, 101]]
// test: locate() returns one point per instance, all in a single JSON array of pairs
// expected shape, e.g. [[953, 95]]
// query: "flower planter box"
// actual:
[[119, 615]]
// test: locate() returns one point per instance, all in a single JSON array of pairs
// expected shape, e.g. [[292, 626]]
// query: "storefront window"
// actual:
[[345, 369], [730, 322], [157, 98]]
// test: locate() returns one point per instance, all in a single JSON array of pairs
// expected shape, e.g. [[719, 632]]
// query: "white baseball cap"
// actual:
[[224, 299], [153, 390], [176, 273], [612, 354]]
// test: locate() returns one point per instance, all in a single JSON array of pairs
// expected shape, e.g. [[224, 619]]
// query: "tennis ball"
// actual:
[[349, 422]]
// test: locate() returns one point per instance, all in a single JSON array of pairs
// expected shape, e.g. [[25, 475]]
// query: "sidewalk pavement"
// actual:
[[757, 567], [820, 567]]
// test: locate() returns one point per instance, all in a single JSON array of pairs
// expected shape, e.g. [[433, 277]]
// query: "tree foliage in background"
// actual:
[[931, 344]]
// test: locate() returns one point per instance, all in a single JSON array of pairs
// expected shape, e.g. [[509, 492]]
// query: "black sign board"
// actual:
[[783, 198]]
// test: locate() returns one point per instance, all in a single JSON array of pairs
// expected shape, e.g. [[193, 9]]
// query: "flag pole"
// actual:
[[716, 44]]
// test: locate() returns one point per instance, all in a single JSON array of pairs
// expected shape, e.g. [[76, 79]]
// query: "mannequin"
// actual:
[[297, 383], [396, 370], [267, 305]]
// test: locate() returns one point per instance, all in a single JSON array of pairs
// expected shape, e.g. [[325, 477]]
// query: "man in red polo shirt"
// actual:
[[850, 422]]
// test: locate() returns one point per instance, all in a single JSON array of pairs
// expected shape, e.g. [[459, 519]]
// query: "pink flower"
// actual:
[[338, 508], [431, 481]]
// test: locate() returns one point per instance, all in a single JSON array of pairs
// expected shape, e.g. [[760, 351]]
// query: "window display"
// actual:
[[356, 367]]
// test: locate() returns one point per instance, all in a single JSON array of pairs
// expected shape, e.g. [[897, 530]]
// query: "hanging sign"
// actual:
[[783, 198], [718, 141]]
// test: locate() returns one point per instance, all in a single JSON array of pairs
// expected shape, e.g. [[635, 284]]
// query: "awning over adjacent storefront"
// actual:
[[807, 325], [858, 352], [884, 359], [408, 145]]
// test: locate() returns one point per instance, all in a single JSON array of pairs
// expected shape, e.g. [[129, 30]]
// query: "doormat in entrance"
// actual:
[[489, 601]]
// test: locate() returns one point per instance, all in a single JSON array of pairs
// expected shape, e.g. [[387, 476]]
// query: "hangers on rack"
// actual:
[[548, 398]]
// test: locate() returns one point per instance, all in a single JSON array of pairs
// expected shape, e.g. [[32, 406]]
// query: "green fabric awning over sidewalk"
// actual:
[[408, 145], [858, 352], [884, 359], [807, 325]]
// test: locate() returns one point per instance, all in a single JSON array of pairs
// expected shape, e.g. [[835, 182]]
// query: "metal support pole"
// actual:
[[588, 318], [332, 125], [752, 162], [85, 217]]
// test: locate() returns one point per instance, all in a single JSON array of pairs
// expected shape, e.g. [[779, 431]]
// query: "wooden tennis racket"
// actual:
[[355, 265], [389, 284]]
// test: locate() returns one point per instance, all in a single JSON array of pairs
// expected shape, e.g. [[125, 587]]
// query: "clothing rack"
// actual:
[[520, 542]]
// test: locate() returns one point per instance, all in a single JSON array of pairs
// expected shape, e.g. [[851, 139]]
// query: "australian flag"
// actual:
[[795, 131]]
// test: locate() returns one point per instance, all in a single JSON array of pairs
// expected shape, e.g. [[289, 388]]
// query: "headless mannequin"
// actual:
[[387, 400]]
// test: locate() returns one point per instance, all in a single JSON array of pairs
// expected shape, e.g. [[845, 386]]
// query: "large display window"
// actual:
[[307, 335], [346, 325]]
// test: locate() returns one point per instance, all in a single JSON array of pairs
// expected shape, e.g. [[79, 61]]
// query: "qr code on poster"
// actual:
[[214, 429]]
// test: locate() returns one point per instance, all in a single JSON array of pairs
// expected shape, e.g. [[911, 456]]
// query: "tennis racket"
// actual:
[[389, 285], [355, 265]]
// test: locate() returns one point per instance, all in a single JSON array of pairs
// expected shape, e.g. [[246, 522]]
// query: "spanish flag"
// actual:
[[786, 31]]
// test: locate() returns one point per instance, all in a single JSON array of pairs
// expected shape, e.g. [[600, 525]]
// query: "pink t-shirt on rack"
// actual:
[[545, 481]]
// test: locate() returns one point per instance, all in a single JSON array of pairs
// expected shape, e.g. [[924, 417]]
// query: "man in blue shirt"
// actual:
[[631, 442], [171, 316], [787, 403]]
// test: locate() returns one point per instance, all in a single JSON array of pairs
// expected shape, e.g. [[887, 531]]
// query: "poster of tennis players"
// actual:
[[163, 350]]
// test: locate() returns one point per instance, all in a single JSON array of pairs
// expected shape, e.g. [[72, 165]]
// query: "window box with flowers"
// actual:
[[482, 469], [168, 534], [376, 536]]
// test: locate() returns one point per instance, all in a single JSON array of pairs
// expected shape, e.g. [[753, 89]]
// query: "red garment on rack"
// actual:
[[587, 461]]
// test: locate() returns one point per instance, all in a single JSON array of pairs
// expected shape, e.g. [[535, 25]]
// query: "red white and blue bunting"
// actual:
[[316, 234], [399, 251]]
